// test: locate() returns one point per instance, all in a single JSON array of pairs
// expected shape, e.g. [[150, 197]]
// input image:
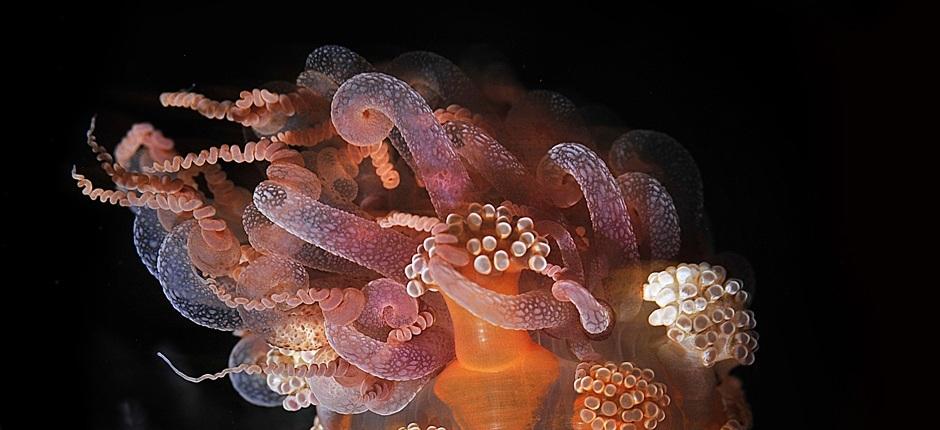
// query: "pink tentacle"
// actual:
[[387, 306], [422, 355], [357, 239], [595, 317], [367, 106]]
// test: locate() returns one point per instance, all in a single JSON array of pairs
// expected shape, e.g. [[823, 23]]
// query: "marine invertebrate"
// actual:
[[463, 273]]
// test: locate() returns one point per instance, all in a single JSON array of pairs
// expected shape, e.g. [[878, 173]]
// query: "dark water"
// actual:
[[757, 95]]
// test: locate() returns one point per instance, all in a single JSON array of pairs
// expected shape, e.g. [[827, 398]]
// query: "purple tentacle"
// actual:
[[494, 162], [357, 239], [604, 200], [365, 109], [422, 355], [657, 221]]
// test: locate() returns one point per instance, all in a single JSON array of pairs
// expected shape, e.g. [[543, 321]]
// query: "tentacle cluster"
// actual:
[[703, 312], [618, 396], [324, 265]]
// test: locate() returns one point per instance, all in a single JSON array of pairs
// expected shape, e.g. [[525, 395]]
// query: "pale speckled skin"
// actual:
[[253, 388], [603, 197], [417, 358], [533, 310], [447, 83], [389, 102], [664, 158], [494, 162], [148, 237], [657, 214], [337, 62], [186, 291], [267, 237], [387, 306], [354, 238]]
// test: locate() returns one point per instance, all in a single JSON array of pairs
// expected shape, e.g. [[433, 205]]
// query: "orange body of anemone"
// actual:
[[500, 377]]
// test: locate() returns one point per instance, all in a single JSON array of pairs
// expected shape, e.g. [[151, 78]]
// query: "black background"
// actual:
[[772, 103]]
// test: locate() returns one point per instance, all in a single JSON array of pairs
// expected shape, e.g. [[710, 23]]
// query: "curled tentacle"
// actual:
[[186, 291], [349, 236], [387, 306], [365, 109], [496, 164], [420, 357], [603, 197], [533, 310]]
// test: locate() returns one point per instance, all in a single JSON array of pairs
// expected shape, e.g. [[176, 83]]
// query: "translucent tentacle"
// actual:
[[186, 291], [419, 357], [339, 63], [148, 236], [267, 237], [603, 197], [533, 310], [664, 158], [595, 317], [439, 81], [354, 238], [566, 246], [657, 222], [400, 395], [365, 109], [494, 162], [253, 388]]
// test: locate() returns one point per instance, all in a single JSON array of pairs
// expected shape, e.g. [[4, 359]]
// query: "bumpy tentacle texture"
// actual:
[[253, 388], [499, 166], [417, 358], [656, 219], [341, 233], [186, 291], [533, 310], [603, 197], [367, 106], [439, 81], [383, 286], [665, 159]]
